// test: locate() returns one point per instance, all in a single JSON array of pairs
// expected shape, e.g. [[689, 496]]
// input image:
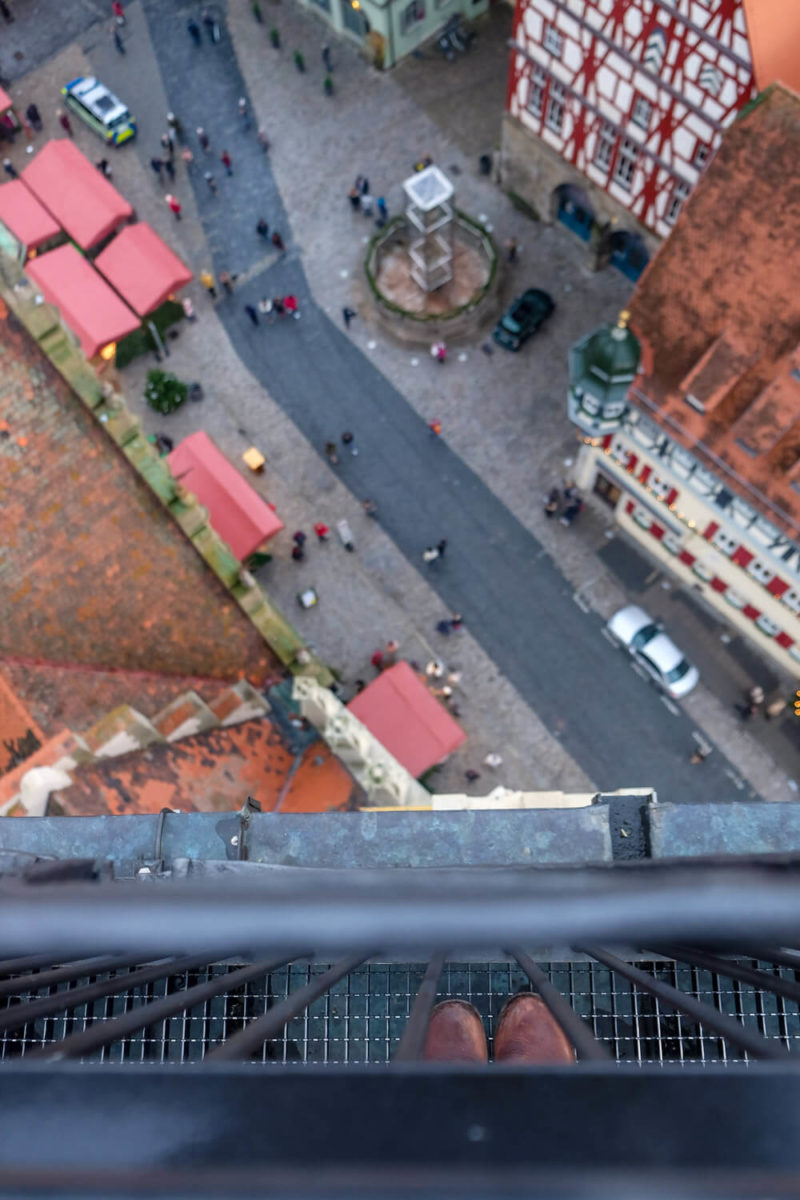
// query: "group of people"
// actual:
[[270, 308], [568, 503], [361, 200]]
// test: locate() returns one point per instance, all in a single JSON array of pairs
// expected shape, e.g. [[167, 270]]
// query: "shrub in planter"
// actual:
[[164, 392]]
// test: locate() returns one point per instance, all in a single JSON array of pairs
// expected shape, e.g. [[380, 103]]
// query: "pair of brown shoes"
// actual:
[[526, 1033]]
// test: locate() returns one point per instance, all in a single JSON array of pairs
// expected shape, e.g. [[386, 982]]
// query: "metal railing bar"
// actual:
[[29, 962], [74, 970], [727, 1027], [781, 957], [575, 1028], [253, 1036], [412, 1043], [734, 970], [71, 998], [103, 1033]]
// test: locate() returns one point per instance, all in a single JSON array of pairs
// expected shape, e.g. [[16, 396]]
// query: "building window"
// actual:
[[642, 111], [555, 107], [792, 601], [680, 194], [553, 41], [760, 571], [626, 163], [411, 15], [604, 151], [353, 18], [536, 97], [701, 154]]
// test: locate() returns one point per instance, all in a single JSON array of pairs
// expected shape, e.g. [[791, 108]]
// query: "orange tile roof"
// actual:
[[773, 31], [96, 578], [718, 308], [212, 772], [20, 736]]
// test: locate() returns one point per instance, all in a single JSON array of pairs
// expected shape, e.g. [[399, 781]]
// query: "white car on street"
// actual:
[[645, 641]]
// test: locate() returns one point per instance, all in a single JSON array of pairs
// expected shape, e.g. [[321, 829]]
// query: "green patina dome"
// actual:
[[611, 352]]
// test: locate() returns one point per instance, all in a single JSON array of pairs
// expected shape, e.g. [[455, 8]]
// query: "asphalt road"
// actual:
[[514, 600]]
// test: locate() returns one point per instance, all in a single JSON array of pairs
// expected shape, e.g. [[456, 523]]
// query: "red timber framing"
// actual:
[[688, 60]]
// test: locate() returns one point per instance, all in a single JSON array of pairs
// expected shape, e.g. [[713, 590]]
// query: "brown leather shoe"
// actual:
[[527, 1033], [455, 1034]]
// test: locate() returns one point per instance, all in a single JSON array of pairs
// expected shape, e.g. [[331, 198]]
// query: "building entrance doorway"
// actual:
[[608, 492], [574, 210], [628, 253]]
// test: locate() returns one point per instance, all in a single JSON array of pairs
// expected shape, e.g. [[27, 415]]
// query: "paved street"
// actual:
[[566, 709]]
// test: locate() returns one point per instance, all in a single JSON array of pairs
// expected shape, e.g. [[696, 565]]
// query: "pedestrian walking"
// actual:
[[383, 211], [167, 145], [439, 352], [10, 169], [279, 306], [6, 11], [176, 126], [265, 308], [345, 535], [277, 241], [187, 157], [210, 180], [322, 531], [435, 427], [251, 312], [367, 204], [552, 501], [263, 140], [118, 11], [299, 61], [290, 304], [354, 196], [441, 546], [262, 228], [158, 166], [390, 653], [174, 204], [34, 116], [512, 249], [363, 184], [119, 45], [449, 625], [226, 280], [203, 139], [64, 122], [298, 554], [256, 8], [207, 280], [299, 538], [326, 58], [227, 162], [211, 25], [330, 453], [377, 660], [188, 309], [327, 85], [430, 555], [275, 38], [104, 168], [571, 511], [244, 112], [169, 167], [347, 316], [194, 32], [348, 440], [370, 508]]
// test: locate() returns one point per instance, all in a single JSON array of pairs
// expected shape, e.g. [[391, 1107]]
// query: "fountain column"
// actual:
[[430, 219]]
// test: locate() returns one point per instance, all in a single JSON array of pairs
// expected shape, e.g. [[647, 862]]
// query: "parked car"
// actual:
[[100, 109], [525, 316], [645, 641]]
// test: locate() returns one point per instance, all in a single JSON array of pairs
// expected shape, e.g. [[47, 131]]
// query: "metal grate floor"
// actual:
[[361, 1018]]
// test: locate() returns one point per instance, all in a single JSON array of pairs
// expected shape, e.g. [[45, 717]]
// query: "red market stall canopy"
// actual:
[[88, 306], [142, 268], [400, 712], [22, 214], [235, 510], [5, 101], [73, 190]]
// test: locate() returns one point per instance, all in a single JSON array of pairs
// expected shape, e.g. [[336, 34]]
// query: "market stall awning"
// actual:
[[235, 510], [142, 268], [73, 190], [28, 219], [5, 101], [88, 306], [401, 713]]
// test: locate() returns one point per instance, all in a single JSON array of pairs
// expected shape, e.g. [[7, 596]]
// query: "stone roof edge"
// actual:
[[107, 405]]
